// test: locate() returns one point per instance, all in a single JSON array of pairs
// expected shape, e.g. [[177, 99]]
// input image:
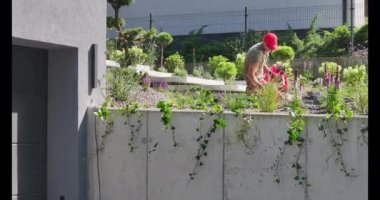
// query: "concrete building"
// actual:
[[179, 17], [58, 62]]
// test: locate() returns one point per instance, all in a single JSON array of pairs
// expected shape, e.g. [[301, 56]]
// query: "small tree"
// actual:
[[116, 5], [164, 39], [226, 70], [284, 53]]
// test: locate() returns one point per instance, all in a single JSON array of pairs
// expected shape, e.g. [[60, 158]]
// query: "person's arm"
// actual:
[[252, 75]]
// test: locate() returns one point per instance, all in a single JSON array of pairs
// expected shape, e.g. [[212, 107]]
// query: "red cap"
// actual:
[[270, 40]]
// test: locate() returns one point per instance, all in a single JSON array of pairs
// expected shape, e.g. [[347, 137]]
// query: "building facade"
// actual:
[[58, 62]]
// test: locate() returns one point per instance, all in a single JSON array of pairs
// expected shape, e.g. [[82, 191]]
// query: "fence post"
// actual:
[[245, 28], [150, 20]]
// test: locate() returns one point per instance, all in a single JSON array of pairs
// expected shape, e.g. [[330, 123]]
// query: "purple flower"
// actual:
[[164, 85], [147, 81]]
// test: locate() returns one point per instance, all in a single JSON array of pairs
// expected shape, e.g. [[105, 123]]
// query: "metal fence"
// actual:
[[234, 21]]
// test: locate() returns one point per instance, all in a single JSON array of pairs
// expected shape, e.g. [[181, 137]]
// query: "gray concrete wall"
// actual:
[[29, 114], [67, 29], [231, 170], [180, 17]]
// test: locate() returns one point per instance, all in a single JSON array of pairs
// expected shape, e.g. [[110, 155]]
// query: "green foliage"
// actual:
[[313, 41], [331, 68], [180, 72], [135, 55], [361, 36], [118, 56], [239, 62], [297, 125], [214, 62], [182, 101], [150, 47], [162, 69], [295, 42], [166, 109], [120, 81], [226, 71], [103, 112], [356, 89], [197, 72], [164, 39], [356, 75], [207, 75], [175, 61], [204, 98], [283, 53], [267, 99], [336, 42], [288, 69], [333, 101]]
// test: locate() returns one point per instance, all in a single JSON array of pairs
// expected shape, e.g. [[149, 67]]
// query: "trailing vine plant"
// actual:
[[104, 113], [166, 109], [339, 113], [128, 110], [204, 140]]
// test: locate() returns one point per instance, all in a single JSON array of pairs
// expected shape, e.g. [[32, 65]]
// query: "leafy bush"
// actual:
[[239, 62], [207, 75], [361, 36], [162, 69], [118, 56], [283, 53], [267, 98], [336, 42], [226, 70], [120, 81], [197, 71], [180, 72], [313, 41], [356, 75], [331, 68], [135, 56], [175, 61], [214, 62], [334, 103], [182, 101]]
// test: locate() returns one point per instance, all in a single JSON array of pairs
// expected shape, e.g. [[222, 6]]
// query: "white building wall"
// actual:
[[178, 17]]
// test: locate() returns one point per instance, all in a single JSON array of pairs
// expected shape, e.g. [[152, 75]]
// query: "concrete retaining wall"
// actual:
[[231, 170]]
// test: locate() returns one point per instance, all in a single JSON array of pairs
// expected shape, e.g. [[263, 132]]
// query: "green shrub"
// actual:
[[135, 56], [267, 99], [197, 72], [239, 62], [207, 75], [118, 56], [336, 42], [330, 66], [283, 53], [361, 36], [180, 72], [214, 62], [175, 61], [355, 75], [226, 71], [120, 81], [162, 69]]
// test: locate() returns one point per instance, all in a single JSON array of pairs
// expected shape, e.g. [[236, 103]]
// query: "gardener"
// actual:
[[255, 62]]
